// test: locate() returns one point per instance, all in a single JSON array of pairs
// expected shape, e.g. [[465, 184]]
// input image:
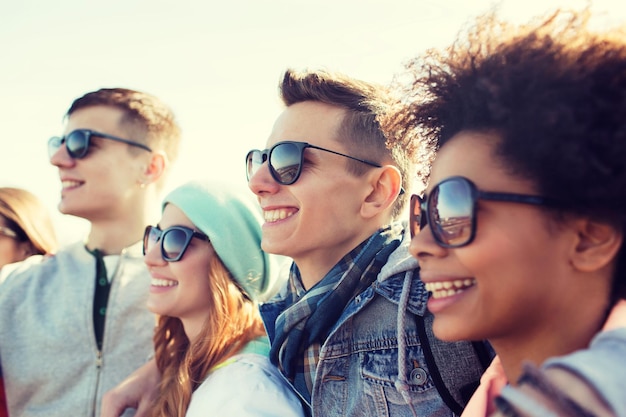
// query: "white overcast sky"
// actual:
[[217, 64]]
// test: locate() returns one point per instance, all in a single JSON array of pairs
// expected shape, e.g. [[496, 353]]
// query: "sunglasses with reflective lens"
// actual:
[[450, 210], [77, 142], [174, 241], [285, 160]]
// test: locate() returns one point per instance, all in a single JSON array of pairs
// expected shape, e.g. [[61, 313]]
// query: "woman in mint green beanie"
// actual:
[[208, 274]]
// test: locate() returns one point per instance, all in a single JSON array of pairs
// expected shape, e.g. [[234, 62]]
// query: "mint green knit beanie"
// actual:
[[231, 218]]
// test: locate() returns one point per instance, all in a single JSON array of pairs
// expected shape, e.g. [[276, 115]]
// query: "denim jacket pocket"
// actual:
[[380, 372]]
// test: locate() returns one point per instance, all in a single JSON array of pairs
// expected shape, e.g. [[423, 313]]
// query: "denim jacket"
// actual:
[[372, 363]]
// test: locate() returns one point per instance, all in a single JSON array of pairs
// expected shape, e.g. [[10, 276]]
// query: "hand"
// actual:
[[137, 391]]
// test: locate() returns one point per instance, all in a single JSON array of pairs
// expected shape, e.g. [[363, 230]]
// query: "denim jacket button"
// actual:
[[418, 376]]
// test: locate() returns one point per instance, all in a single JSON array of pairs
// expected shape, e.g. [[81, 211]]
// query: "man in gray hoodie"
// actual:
[[75, 324]]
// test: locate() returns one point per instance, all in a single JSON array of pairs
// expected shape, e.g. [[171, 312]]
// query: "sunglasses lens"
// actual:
[[150, 238], [285, 162], [450, 210], [77, 143], [415, 215], [254, 160], [54, 143], [174, 243]]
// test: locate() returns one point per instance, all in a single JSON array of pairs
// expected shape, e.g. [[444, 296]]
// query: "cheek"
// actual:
[[518, 255], [192, 271], [8, 251]]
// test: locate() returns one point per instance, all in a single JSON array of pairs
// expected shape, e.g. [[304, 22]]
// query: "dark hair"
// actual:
[[360, 131], [152, 120], [553, 92]]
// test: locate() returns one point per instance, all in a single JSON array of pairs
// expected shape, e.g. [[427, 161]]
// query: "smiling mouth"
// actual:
[[441, 289], [67, 184], [156, 282], [278, 214]]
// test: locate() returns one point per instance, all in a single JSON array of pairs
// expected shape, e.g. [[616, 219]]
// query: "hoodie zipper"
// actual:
[[98, 370]]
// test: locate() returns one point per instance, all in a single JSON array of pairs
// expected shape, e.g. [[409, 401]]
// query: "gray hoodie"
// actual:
[[48, 354]]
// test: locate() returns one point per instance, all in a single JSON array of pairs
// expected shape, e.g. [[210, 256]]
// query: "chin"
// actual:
[[452, 330], [276, 248], [156, 309]]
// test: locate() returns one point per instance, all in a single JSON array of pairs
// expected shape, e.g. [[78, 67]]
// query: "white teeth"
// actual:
[[275, 215], [69, 184], [442, 289], [163, 282]]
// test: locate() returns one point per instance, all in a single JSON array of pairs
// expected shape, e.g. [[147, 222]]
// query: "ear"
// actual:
[[386, 184], [597, 245], [155, 168]]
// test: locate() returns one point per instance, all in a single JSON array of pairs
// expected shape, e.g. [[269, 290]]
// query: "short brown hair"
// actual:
[[145, 112], [360, 131]]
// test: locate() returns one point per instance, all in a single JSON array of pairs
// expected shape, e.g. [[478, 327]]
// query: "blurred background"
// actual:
[[217, 64]]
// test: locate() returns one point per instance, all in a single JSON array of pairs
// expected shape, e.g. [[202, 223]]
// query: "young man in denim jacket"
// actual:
[[348, 330]]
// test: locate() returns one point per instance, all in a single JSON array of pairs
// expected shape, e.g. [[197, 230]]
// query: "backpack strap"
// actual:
[[455, 367]]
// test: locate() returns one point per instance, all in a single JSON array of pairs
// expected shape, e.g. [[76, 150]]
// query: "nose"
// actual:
[[423, 245], [153, 256], [261, 181], [61, 157]]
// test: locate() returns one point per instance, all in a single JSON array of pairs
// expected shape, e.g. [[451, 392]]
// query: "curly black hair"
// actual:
[[553, 91]]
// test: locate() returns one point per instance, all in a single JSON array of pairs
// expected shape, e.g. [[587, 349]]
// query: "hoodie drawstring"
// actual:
[[401, 384]]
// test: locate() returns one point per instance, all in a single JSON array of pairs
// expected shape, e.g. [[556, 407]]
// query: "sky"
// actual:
[[215, 63]]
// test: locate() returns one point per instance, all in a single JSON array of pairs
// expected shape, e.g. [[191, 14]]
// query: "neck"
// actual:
[[193, 327], [553, 337], [114, 233], [314, 265]]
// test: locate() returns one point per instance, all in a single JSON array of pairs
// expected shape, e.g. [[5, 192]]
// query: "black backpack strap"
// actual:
[[455, 367]]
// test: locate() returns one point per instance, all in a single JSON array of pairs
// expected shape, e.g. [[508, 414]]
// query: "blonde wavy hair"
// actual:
[[234, 321]]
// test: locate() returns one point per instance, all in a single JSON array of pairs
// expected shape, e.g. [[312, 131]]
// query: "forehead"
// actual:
[[473, 155], [173, 216], [105, 119], [469, 155], [308, 121]]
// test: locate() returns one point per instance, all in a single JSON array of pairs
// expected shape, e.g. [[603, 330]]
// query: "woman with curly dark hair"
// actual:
[[520, 231]]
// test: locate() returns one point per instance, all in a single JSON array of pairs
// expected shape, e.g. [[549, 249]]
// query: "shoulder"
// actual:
[[253, 370], [601, 367], [19, 267], [44, 267], [249, 386]]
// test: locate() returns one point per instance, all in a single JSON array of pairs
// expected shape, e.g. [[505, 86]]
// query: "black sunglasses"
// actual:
[[174, 241], [285, 160], [77, 142], [450, 210]]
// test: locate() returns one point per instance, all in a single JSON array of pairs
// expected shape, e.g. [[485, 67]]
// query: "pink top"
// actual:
[[493, 380]]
